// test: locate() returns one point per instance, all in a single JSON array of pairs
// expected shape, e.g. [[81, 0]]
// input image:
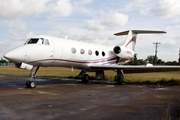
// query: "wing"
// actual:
[[136, 69]]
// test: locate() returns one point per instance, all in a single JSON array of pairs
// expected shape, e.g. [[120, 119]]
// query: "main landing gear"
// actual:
[[119, 77], [30, 83], [100, 76], [84, 76]]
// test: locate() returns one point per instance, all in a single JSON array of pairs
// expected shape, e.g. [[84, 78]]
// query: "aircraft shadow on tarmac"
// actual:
[[20, 81]]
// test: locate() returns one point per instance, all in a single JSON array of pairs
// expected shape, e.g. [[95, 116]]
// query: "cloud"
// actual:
[[13, 9], [165, 8], [175, 27], [16, 39], [79, 6], [95, 25], [105, 37], [59, 31], [111, 19], [16, 24], [60, 8], [134, 5]]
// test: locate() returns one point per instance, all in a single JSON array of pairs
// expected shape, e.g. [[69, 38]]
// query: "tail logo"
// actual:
[[133, 39]]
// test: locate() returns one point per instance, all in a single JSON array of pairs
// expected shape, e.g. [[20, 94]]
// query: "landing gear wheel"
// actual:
[[30, 84], [119, 80], [85, 78]]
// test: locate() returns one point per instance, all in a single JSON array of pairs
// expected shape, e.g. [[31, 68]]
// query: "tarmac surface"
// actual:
[[67, 99]]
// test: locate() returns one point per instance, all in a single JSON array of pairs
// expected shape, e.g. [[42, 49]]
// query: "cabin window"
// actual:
[[46, 42], [97, 53], [82, 51], [73, 50], [33, 41], [103, 53], [89, 52]]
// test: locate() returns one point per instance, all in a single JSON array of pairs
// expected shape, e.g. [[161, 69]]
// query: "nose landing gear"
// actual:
[[30, 83]]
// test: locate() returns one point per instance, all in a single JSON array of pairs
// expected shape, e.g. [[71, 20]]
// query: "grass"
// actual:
[[164, 78]]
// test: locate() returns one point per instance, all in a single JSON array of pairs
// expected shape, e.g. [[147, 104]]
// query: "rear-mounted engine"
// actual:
[[123, 52]]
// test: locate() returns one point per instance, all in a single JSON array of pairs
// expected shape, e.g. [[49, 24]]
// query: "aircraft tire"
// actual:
[[119, 80], [85, 78], [32, 84], [28, 84]]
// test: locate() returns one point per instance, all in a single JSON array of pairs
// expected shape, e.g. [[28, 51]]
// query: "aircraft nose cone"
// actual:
[[17, 55]]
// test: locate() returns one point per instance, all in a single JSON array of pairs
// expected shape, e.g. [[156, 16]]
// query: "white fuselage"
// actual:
[[56, 52], [66, 53]]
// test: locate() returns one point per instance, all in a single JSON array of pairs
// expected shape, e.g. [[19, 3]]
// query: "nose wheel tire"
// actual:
[[30, 84]]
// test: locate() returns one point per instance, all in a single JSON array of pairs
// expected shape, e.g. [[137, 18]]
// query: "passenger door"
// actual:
[[47, 55]]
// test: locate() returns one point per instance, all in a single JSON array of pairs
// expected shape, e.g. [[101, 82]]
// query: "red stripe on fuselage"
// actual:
[[99, 61]]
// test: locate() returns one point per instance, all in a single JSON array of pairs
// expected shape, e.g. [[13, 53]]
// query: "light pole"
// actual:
[[156, 44]]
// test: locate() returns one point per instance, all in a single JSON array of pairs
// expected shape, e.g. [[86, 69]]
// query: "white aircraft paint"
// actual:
[[57, 52]]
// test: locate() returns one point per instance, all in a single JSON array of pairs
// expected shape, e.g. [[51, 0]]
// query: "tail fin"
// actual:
[[131, 38]]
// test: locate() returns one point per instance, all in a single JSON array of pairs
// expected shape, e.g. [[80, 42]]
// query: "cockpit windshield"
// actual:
[[33, 41], [38, 41]]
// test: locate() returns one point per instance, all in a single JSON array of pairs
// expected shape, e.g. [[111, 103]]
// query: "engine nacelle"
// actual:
[[24, 66], [123, 52]]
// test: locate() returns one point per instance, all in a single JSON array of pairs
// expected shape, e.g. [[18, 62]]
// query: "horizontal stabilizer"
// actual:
[[139, 32]]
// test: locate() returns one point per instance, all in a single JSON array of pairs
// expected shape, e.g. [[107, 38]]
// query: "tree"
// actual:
[[150, 59], [3, 61], [160, 62], [171, 63], [136, 61]]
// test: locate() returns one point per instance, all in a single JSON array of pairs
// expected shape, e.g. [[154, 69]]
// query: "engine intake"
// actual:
[[117, 49], [123, 52]]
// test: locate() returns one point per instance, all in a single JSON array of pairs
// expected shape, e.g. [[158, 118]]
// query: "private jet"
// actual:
[[46, 51]]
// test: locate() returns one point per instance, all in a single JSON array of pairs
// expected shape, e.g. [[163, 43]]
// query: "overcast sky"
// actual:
[[93, 21]]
